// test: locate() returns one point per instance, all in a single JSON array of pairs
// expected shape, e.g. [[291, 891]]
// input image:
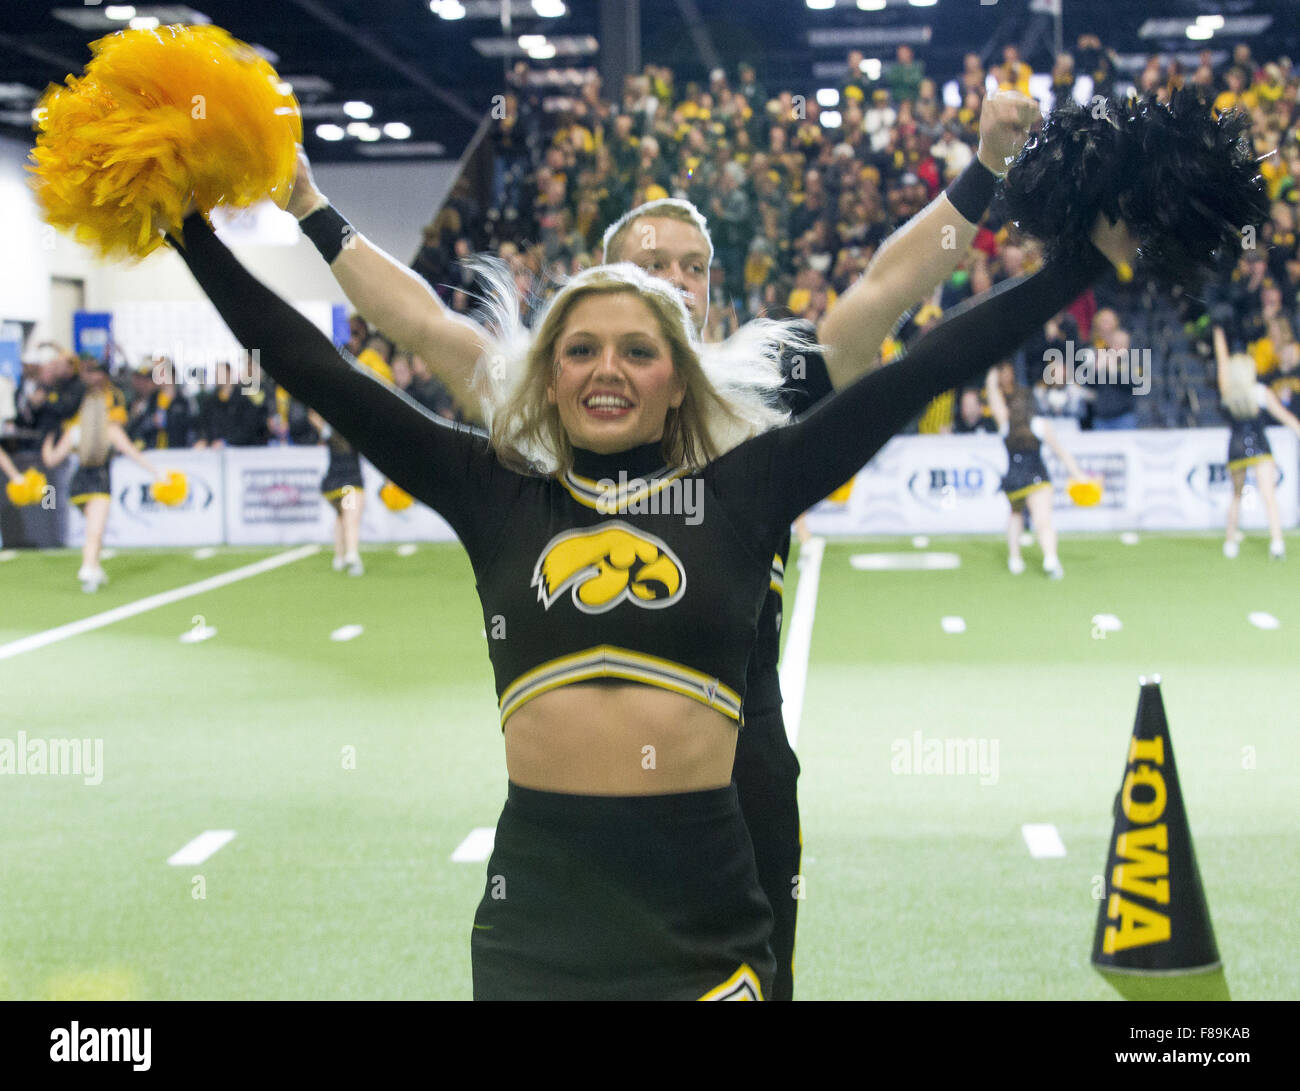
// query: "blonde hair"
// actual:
[[666, 208], [92, 419], [1239, 387], [732, 389]]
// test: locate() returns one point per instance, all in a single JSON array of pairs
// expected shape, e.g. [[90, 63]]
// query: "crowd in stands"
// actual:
[[799, 194]]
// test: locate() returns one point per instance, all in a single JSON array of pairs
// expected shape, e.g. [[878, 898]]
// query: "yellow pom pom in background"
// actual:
[[395, 499], [161, 118], [1086, 494], [27, 489], [171, 491]]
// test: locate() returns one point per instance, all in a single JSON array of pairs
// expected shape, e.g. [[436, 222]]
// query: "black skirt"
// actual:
[[342, 474], [1247, 445], [622, 898], [87, 482], [1025, 474]]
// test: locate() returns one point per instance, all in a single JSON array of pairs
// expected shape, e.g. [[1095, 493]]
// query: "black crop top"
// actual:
[[586, 589]]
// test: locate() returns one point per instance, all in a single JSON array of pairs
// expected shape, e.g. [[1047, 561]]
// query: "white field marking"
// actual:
[[794, 662], [153, 602], [406, 550], [920, 541], [1129, 538], [1043, 840], [204, 553], [1107, 623], [8, 554], [898, 562], [347, 632], [1262, 620], [200, 848], [476, 847], [953, 624], [198, 634]]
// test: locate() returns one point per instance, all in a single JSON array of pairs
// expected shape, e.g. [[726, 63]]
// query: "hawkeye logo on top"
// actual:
[[608, 564], [113, 1044]]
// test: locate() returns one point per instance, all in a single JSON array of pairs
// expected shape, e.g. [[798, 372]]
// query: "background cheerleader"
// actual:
[[1027, 483], [95, 432], [1245, 401]]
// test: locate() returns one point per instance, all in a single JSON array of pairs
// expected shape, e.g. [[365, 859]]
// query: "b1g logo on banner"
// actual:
[[944, 488]]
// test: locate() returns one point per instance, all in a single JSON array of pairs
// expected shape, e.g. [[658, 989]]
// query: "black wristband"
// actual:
[[971, 192], [328, 230]]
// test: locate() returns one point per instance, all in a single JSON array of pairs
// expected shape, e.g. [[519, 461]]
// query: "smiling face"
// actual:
[[614, 381]]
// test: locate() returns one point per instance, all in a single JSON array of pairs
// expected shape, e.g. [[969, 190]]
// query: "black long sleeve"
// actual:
[[444, 465], [800, 464]]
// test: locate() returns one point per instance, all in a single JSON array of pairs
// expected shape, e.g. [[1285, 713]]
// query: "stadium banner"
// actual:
[[1153, 479], [414, 524], [273, 497], [136, 519]]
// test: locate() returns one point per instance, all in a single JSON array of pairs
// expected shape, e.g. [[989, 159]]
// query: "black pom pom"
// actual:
[[1186, 184]]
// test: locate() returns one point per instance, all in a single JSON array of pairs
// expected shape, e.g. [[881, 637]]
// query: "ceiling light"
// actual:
[[369, 133], [329, 132], [1214, 22], [830, 119], [542, 52], [549, 9], [143, 22], [531, 41], [447, 9], [359, 110], [820, 5], [828, 96], [122, 12], [398, 130], [871, 5], [1199, 33]]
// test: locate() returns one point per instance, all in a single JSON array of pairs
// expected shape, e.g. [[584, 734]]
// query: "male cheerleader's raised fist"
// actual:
[[1005, 122]]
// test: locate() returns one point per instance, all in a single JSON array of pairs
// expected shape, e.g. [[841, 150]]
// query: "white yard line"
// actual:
[[153, 602], [476, 847], [200, 848], [1043, 839], [794, 661]]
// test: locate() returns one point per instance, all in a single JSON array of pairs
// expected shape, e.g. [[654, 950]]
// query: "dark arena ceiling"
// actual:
[[429, 81]]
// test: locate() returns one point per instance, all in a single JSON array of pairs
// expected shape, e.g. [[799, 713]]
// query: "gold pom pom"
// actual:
[[27, 489], [161, 118], [172, 491], [1085, 493], [394, 498]]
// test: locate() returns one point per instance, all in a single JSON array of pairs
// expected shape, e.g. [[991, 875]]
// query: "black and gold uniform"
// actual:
[[1026, 471], [1247, 443], [635, 897], [343, 474], [766, 772], [91, 480]]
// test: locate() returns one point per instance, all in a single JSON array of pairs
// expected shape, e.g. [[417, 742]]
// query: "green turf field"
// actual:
[[350, 771]]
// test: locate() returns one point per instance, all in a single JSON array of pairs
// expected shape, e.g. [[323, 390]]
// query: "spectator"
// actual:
[[905, 75], [228, 417]]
